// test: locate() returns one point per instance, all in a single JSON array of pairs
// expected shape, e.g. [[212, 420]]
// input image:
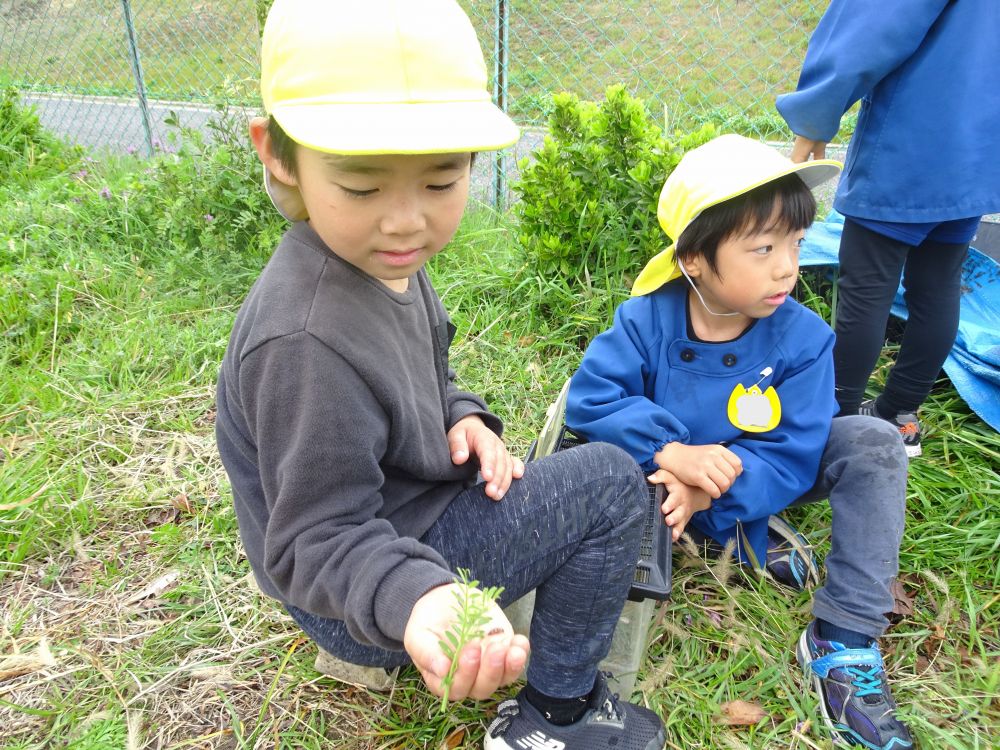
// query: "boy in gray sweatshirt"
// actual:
[[352, 453]]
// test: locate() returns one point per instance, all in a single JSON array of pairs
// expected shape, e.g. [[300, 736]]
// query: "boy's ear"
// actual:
[[265, 151], [693, 265]]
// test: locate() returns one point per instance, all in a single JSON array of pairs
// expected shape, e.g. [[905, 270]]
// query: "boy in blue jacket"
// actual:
[[721, 386], [921, 171]]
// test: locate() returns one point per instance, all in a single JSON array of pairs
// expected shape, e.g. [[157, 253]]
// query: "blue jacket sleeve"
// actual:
[[608, 399], [781, 465], [856, 44]]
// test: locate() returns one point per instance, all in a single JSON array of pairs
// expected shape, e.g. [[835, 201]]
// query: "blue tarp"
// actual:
[[973, 364]]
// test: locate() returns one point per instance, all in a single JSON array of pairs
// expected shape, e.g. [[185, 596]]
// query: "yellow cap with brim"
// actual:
[[723, 168], [376, 77]]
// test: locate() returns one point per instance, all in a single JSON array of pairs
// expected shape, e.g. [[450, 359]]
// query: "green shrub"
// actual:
[[587, 208], [27, 151]]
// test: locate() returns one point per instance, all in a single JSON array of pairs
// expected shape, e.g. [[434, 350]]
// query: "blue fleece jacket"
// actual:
[[644, 383], [927, 73]]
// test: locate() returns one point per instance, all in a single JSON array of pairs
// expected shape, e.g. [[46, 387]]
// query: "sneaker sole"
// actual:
[[499, 743], [912, 451], [371, 678]]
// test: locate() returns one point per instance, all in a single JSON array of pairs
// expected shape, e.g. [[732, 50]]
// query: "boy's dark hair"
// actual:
[[746, 214], [284, 147]]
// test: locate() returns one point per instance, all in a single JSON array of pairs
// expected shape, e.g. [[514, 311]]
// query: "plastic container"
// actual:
[[628, 645]]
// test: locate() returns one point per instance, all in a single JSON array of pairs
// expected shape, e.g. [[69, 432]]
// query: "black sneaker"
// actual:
[[906, 422], [608, 723], [790, 560], [789, 557], [854, 697]]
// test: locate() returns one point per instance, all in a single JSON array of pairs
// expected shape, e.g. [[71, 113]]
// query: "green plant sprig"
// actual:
[[472, 606]]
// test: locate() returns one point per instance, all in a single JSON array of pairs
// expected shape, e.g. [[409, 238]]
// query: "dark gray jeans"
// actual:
[[863, 472], [570, 529]]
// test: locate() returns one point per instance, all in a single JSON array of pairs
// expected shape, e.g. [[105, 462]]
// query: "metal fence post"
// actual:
[[140, 86], [500, 53]]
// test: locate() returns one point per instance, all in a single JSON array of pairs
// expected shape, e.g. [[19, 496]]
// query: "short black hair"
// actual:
[[746, 214], [284, 147]]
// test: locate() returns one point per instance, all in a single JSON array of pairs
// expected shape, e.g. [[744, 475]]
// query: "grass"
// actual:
[[129, 619]]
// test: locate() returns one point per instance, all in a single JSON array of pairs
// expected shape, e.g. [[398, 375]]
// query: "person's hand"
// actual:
[[682, 501], [483, 665], [803, 148], [713, 468], [470, 437]]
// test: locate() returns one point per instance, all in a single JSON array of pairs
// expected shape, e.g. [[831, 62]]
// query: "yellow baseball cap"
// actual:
[[723, 168], [376, 77]]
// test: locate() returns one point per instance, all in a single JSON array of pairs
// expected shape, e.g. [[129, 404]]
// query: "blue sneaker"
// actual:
[[854, 696], [790, 560]]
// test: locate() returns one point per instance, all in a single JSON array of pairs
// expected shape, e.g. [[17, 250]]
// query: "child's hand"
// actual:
[[804, 147], [470, 437], [682, 501], [713, 468], [484, 666]]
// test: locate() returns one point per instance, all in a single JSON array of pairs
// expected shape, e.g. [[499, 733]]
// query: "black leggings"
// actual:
[[870, 269]]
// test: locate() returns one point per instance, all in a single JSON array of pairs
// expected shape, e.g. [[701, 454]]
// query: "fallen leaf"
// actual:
[[182, 503], [903, 603], [161, 516], [454, 739], [156, 587], [742, 714]]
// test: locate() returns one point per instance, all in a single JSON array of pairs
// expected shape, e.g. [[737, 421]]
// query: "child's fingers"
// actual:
[[710, 487], [469, 664], [518, 470], [677, 520], [458, 446], [733, 460], [505, 474], [486, 452]]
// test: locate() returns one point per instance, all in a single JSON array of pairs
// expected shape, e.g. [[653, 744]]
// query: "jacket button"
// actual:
[[687, 355], [729, 360]]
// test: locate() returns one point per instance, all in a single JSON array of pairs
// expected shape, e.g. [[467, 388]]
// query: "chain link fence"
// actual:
[[107, 73]]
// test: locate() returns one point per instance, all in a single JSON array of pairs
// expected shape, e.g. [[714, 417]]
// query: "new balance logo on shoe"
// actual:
[[538, 741]]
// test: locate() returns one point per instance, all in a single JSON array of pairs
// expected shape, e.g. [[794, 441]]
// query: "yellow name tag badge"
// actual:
[[751, 410]]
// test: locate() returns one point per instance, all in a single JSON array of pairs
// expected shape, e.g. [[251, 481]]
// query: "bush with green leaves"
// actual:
[[587, 208], [27, 151]]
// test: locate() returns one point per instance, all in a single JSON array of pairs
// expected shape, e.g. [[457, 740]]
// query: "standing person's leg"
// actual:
[[870, 268], [932, 279], [863, 470]]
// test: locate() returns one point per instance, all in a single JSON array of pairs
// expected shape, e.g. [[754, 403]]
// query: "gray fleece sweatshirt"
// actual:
[[334, 400]]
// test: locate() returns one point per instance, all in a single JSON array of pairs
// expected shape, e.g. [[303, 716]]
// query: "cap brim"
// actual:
[[660, 269], [398, 128]]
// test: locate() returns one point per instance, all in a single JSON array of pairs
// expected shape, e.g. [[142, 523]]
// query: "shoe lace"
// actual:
[[610, 708], [868, 681]]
